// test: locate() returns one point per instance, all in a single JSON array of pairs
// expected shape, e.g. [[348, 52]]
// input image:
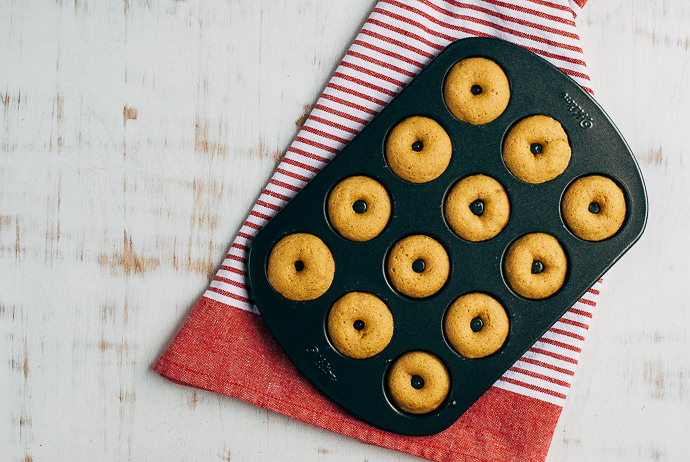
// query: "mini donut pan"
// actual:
[[359, 385]]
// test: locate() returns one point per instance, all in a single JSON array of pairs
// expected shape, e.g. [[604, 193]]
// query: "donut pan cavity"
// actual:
[[359, 385]]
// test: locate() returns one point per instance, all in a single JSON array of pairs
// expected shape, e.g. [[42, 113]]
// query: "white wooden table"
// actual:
[[134, 137]]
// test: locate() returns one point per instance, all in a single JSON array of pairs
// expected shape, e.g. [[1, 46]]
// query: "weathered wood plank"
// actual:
[[134, 136]]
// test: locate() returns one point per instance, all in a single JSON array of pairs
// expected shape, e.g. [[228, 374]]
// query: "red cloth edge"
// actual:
[[515, 421]]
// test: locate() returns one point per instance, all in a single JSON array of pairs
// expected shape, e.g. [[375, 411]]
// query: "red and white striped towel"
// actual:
[[224, 345]]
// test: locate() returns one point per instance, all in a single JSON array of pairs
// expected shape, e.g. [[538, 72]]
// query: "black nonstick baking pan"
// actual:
[[359, 385]]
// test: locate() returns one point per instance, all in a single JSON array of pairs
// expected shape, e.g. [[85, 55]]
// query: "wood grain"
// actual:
[[134, 136]]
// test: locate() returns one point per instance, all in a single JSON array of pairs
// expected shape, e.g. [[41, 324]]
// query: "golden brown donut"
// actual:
[[359, 208], [535, 266], [418, 266], [536, 149], [594, 208], [418, 382], [360, 325], [476, 325], [476, 90], [300, 267], [418, 149], [477, 208]]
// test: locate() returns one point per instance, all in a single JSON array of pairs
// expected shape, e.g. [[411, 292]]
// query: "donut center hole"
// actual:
[[536, 148], [594, 207], [417, 146], [359, 206], [299, 265], [537, 267], [418, 266], [477, 207], [417, 382], [358, 324], [476, 90], [476, 324]]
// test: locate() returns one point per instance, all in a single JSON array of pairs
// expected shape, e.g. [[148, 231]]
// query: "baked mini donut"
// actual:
[[476, 325], [594, 208], [535, 266], [300, 267], [418, 382], [536, 149], [476, 90], [360, 325], [359, 208], [477, 208], [418, 149], [418, 266]]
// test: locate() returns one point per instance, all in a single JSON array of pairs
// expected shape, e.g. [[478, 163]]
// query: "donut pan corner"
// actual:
[[359, 385]]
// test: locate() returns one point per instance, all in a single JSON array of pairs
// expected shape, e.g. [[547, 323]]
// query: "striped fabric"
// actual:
[[398, 40]]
